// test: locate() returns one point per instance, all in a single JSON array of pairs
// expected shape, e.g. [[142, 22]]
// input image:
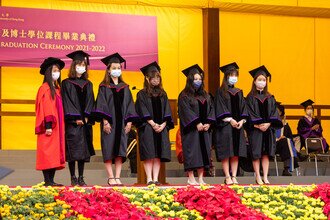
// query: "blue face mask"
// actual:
[[115, 73], [197, 84], [232, 80]]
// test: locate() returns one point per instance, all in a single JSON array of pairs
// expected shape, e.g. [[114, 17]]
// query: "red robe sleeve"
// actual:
[[44, 113], [178, 148]]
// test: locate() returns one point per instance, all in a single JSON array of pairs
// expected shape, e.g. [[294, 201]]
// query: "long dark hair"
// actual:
[[73, 73], [190, 90], [107, 78], [224, 85], [48, 78], [149, 89], [254, 90]]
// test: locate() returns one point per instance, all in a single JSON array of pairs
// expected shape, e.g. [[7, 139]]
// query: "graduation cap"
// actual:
[[113, 58], [192, 69], [261, 70], [307, 103], [50, 61], [79, 55], [150, 67], [226, 68]]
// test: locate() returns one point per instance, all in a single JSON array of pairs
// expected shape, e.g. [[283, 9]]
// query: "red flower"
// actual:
[[102, 204], [219, 202], [322, 191]]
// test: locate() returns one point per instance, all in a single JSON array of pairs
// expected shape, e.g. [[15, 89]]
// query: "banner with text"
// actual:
[[28, 36]]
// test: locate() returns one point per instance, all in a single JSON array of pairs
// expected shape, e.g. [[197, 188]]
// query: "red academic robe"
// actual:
[[50, 149]]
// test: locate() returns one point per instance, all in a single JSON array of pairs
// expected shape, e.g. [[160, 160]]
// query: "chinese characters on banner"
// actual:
[[27, 36]]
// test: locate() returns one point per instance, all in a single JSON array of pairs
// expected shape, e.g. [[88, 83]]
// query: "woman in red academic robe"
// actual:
[[50, 122]]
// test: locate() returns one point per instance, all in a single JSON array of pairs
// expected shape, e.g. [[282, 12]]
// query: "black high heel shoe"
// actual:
[[112, 184], [234, 179], [266, 181], [259, 182], [56, 184], [157, 183], [118, 184], [74, 181], [150, 183], [227, 179], [81, 181]]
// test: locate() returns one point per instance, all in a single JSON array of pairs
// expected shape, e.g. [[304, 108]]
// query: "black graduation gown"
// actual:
[[196, 146], [154, 145], [283, 148], [262, 109], [115, 104], [305, 131], [229, 141], [78, 101]]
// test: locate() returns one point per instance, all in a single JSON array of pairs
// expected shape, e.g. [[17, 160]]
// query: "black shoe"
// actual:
[[48, 184], [56, 184], [157, 183], [74, 181], [150, 183], [302, 157], [286, 172], [81, 181]]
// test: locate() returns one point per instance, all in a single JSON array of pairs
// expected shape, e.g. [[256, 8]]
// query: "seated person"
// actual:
[[285, 145], [309, 126]]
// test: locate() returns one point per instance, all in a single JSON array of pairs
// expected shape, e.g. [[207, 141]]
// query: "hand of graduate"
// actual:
[[161, 127], [154, 125], [240, 124], [79, 122], [49, 132], [106, 127], [264, 126], [206, 127], [200, 127], [233, 123], [267, 125], [128, 127], [86, 120]]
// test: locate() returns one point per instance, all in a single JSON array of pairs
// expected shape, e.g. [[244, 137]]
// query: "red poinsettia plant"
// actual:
[[322, 191], [102, 204], [219, 202]]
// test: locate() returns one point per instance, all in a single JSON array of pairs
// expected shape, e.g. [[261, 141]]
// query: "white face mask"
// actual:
[[80, 69], [56, 75], [260, 84], [115, 73], [309, 112], [232, 80]]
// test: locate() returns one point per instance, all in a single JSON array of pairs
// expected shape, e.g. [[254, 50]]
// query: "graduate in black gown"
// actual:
[[263, 121], [231, 114], [285, 144], [78, 101], [153, 107], [196, 113], [309, 126], [115, 110]]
